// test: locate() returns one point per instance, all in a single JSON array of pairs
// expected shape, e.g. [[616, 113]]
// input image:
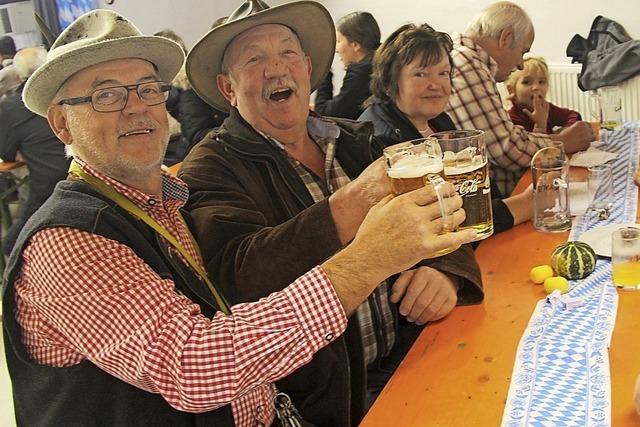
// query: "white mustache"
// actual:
[[280, 83]]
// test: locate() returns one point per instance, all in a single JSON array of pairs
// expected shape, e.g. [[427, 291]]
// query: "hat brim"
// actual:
[[42, 86], [309, 20]]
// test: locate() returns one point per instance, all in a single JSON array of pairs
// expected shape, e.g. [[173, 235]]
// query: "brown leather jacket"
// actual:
[[259, 229]]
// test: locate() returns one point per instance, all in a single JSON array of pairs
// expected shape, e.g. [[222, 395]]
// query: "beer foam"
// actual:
[[459, 170], [414, 167]]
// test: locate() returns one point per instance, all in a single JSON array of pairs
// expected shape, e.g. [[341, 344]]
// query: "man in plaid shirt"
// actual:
[[108, 320], [492, 47]]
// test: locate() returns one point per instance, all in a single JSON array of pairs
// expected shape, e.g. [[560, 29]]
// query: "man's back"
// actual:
[[30, 134]]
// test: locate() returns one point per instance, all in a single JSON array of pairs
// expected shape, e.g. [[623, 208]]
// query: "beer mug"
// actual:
[[414, 164], [550, 176], [466, 167], [606, 107]]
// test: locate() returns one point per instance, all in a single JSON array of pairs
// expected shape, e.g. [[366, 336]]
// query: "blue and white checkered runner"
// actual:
[[561, 372]]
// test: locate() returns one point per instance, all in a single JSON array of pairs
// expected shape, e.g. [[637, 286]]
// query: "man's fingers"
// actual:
[[453, 239], [426, 195], [400, 286]]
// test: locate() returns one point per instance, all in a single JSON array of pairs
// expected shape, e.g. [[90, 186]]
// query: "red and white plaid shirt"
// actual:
[[82, 296], [475, 103]]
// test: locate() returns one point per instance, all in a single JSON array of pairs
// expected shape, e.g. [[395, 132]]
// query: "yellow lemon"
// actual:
[[540, 273], [558, 282]]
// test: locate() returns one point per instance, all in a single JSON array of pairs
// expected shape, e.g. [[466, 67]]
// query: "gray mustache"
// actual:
[[139, 124], [282, 82]]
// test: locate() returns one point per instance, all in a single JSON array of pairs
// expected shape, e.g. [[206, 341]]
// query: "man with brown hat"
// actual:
[[109, 318], [278, 189]]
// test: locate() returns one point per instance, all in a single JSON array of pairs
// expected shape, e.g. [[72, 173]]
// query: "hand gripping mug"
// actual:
[[414, 164]]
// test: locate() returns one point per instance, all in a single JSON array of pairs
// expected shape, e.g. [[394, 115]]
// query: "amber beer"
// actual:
[[473, 185], [411, 172], [466, 167]]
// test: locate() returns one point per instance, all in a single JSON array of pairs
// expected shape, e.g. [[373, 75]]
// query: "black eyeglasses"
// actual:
[[115, 98]]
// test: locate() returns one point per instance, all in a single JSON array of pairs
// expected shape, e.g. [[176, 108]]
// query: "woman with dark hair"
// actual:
[[410, 86], [357, 38]]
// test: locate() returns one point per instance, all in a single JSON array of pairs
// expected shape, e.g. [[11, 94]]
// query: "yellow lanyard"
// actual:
[[126, 204]]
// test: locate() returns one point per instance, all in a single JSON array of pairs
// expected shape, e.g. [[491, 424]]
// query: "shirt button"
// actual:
[[259, 409], [152, 202], [328, 336]]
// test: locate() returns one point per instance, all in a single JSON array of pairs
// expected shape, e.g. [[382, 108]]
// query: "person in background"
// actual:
[[27, 136], [411, 84], [492, 47], [357, 38], [8, 77], [7, 50], [109, 318], [528, 91], [195, 116]]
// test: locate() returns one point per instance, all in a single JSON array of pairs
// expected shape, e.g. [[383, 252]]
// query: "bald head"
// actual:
[[28, 60]]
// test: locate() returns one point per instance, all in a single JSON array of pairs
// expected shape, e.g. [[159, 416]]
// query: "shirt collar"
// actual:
[[485, 58], [317, 127], [173, 189]]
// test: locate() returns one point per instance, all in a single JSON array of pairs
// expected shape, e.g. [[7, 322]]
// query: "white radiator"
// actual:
[[564, 92]]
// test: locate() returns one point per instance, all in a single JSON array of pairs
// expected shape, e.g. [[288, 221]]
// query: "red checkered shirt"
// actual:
[[73, 304], [475, 103]]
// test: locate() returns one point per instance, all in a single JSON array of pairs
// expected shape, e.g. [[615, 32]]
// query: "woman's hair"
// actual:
[[529, 64], [362, 28], [402, 47]]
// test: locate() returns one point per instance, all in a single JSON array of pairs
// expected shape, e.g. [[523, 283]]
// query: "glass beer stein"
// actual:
[[466, 167]]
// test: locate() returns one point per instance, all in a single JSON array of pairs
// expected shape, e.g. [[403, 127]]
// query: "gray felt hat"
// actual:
[[97, 36]]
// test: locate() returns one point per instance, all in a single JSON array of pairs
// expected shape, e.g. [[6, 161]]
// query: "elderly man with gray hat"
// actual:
[[277, 189], [109, 317]]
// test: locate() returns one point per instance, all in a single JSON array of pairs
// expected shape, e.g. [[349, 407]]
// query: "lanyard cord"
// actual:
[[126, 204]]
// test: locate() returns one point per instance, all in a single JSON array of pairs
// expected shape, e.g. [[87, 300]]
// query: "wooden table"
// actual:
[[458, 371]]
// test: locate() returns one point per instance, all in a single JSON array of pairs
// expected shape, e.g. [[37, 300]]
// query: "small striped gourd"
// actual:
[[573, 260]]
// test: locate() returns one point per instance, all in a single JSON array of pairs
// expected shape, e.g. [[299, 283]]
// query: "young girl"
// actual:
[[528, 89]]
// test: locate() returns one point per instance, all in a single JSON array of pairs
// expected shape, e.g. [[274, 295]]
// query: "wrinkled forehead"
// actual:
[[259, 34], [115, 71]]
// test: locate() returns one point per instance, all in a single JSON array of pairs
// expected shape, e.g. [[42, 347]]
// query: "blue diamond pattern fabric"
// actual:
[[561, 372]]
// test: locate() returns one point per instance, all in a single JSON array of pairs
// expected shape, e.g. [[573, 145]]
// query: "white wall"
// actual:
[[190, 19], [556, 21]]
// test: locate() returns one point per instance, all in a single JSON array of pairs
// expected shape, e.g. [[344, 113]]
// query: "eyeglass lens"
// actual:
[[115, 98]]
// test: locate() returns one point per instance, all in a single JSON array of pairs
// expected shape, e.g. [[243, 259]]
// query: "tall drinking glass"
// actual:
[[625, 257], [414, 164], [467, 168], [550, 176]]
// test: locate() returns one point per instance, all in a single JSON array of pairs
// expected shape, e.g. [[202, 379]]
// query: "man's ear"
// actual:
[[57, 119], [309, 67], [225, 86], [505, 41]]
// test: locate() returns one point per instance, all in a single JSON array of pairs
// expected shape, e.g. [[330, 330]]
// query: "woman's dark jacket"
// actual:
[[354, 91]]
